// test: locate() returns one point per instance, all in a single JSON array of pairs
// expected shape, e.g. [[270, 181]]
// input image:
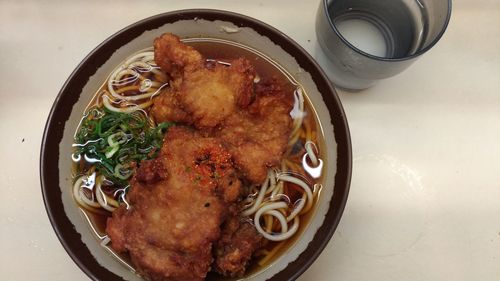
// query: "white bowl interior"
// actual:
[[190, 29]]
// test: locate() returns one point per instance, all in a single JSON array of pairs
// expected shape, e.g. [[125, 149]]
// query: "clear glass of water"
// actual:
[[368, 40]]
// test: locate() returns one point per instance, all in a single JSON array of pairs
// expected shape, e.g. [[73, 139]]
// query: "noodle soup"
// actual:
[[117, 132]]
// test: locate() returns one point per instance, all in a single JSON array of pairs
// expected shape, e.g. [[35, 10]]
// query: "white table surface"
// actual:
[[425, 194]]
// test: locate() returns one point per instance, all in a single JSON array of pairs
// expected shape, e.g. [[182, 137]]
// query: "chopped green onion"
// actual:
[[115, 140], [111, 150], [122, 171]]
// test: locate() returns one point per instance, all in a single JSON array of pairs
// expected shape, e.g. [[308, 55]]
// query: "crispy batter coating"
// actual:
[[166, 107], [206, 90], [213, 93], [235, 248], [257, 137], [173, 56], [253, 121], [178, 203]]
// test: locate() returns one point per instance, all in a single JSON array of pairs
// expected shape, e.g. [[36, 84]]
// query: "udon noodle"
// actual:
[[275, 213], [129, 89]]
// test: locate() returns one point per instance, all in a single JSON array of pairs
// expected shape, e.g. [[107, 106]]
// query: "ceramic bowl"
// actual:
[[67, 219]]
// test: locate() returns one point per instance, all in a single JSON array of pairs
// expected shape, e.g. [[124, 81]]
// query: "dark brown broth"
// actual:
[[265, 68]]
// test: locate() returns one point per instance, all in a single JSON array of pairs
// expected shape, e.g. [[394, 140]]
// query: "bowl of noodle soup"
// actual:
[[100, 126]]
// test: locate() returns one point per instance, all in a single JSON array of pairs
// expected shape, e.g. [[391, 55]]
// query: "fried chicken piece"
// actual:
[[178, 202], [206, 90], [238, 242], [213, 93], [253, 121], [174, 57], [258, 137], [166, 107]]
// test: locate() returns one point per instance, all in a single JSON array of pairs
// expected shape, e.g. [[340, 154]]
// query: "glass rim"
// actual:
[[374, 57]]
